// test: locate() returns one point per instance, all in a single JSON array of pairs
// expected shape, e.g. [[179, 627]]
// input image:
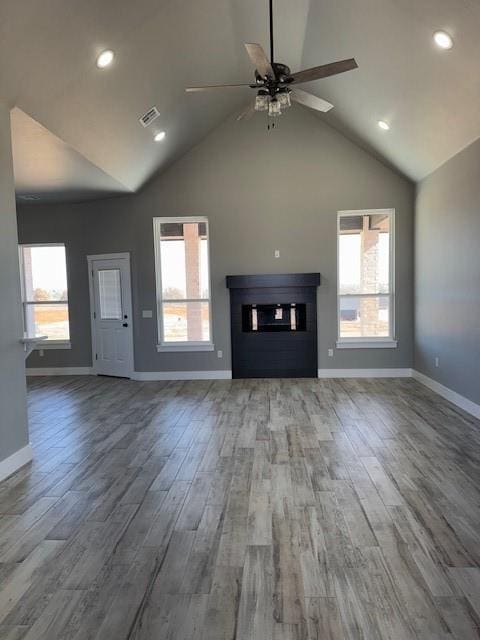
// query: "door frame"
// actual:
[[90, 260]]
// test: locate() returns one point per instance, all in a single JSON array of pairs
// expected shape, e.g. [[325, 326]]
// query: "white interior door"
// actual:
[[111, 312]]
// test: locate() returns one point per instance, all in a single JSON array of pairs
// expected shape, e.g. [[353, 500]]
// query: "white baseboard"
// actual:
[[365, 373], [464, 403], [15, 461], [59, 371], [221, 374], [182, 375]]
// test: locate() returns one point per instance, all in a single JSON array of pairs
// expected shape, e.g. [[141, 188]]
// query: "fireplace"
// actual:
[[274, 325]]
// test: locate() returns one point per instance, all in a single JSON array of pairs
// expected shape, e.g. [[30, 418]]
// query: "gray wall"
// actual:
[[13, 402], [447, 274], [261, 191]]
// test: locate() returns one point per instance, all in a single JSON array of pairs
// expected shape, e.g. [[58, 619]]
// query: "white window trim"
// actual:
[[369, 342], [46, 344], [184, 345], [53, 344]]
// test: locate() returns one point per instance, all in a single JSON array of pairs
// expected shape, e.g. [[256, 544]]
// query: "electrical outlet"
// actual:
[[330, 353], [277, 253], [219, 353], [147, 313], [437, 361]]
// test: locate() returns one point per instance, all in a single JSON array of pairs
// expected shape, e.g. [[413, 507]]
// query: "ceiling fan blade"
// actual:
[[259, 59], [218, 86], [247, 113], [311, 101], [324, 71]]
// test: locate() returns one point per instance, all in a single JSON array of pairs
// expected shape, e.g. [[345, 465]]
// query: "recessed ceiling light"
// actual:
[[159, 136], [383, 125], [105, 59], [443, 39]]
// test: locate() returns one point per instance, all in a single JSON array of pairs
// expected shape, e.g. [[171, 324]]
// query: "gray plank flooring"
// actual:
[[242, 510]]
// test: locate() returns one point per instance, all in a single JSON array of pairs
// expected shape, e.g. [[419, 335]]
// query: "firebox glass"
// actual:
[[274, 317]]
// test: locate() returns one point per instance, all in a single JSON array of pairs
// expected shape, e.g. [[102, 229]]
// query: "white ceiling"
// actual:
[[47, 70]]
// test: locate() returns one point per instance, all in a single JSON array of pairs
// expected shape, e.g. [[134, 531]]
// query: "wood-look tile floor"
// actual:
[[261, 509]]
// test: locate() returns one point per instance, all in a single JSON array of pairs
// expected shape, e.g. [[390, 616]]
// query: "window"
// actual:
[[365, 279], [45, 292], [183, 283], [110, 294]]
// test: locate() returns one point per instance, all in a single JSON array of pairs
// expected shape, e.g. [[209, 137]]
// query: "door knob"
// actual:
[[125, 324]]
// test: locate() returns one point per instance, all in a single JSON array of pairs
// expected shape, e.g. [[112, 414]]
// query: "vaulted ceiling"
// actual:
[[75, 128]]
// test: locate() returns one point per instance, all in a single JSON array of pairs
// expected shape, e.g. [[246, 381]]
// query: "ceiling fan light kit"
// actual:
[[284, 99], [274, 108], [261, 101], [275, 103], [273, 81]]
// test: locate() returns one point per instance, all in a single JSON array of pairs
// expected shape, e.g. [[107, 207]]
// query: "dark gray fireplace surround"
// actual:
[[274, 325]]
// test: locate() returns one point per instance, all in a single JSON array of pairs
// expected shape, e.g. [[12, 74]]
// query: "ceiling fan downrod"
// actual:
[[271, 32]]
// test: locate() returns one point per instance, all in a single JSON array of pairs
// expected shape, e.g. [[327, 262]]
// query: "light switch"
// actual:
[[277, 253], [147, 313]]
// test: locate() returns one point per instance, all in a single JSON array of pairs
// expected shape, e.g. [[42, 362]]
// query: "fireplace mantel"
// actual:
[[274, 280]]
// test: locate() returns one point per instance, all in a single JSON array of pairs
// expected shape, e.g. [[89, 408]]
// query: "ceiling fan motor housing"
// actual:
[[274, 85], [282, 72], [282, 75]]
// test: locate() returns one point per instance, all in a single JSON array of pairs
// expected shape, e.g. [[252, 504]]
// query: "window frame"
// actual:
[[369, 342], [45, 344], [183, 345]]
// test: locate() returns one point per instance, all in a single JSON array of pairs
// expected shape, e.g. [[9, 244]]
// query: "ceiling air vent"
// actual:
[[149, 117]]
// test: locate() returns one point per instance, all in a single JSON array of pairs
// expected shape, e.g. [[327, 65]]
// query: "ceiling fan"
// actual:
[[273, 81]]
